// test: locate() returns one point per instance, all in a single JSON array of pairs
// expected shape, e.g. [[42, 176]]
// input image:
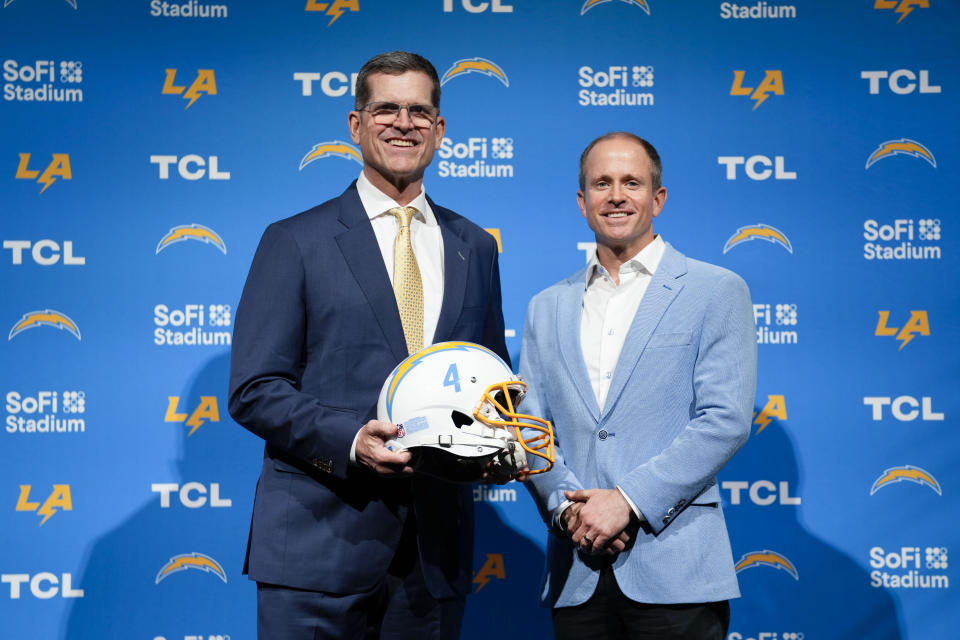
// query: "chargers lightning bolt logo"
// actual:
[[766, 558], [193, 560], [909, 473], [590, 4], [193, 231], [903, 146], [44, 318], [758, 232], [72, 3], [475, 65], [903, 7], [333, 148], [492, 568]]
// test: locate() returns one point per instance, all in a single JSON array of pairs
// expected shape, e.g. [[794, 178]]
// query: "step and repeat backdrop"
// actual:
[[810, 146]]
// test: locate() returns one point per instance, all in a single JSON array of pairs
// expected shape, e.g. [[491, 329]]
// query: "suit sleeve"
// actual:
[[493, 335], [546, 488], [724, 385], [267, 358]]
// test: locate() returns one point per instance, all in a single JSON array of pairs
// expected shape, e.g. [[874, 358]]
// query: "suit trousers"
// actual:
[[610, 615], [399, 608]]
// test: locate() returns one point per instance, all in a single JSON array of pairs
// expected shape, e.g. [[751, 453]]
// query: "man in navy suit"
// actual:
[[345, 542], [645, 362]]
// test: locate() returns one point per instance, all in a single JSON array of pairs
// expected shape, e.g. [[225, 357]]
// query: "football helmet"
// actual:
[[455, 407]]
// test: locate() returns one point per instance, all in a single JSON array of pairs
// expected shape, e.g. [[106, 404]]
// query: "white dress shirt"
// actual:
[[427, 244], [605, 318]]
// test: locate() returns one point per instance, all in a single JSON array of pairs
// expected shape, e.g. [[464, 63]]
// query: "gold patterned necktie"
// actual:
[[407, 285]]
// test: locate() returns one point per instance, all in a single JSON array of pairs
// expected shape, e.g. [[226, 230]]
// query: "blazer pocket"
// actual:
[[670, 340]]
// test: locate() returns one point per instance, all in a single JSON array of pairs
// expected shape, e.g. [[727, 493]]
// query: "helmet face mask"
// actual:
[[455, 407]]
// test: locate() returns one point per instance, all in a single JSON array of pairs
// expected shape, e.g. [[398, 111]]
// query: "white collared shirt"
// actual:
[[605, 318], [427, 246], [608, 311]]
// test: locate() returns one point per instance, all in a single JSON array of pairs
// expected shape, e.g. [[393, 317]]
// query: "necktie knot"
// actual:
[[403, 214]]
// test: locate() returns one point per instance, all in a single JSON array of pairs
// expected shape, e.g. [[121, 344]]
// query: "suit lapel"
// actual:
[[569, 308], [456, 262], [360, 250], [662, 290]]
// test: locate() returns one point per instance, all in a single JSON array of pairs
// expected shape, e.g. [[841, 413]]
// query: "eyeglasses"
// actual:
[[422, 115]]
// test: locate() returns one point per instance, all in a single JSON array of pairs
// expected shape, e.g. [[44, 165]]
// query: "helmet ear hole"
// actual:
[[460, 419]]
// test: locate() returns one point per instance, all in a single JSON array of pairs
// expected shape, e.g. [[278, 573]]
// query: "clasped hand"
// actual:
[[597, 520]]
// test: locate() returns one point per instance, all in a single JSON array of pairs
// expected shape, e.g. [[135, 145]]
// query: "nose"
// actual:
[[616, 194], [403, 121]]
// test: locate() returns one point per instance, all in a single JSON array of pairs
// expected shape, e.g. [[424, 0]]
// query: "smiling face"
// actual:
[[395, 155], [618, 198]]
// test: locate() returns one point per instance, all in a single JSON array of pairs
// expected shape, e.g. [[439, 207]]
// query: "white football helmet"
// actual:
[[454, 404]]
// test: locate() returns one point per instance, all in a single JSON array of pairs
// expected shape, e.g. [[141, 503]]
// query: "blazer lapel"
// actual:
[[456, 262], [569, 307], [662, 290], [360, 250]]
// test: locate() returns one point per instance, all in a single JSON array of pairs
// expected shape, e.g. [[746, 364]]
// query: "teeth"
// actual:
[[402, 143], [617, 215]]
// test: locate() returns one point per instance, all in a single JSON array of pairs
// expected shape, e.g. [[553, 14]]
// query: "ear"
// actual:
[[441, 127], [582, 202], [659, 198], [353, 122]]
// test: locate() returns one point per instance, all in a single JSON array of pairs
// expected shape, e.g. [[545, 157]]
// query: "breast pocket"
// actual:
[[660, 340]]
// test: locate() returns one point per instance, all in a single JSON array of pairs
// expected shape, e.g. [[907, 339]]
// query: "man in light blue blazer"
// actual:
[[645, 361]]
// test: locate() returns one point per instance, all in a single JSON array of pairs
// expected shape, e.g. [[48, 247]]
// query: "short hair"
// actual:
[[395, 63], [656, 169]]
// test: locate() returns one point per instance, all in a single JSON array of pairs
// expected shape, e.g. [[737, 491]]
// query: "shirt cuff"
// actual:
[[633, 507], [558, 515], [353, 449]]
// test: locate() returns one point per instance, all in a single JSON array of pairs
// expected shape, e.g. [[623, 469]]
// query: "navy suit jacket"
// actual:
[[317, 331]]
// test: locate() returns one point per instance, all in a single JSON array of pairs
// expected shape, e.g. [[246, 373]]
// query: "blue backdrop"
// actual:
[[145, 145]]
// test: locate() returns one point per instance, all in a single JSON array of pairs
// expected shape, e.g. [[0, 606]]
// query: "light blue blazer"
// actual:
[[679, 407]]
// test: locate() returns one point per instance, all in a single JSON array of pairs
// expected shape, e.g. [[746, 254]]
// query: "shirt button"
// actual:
[[611, 332], [609, 374], [602, 434]]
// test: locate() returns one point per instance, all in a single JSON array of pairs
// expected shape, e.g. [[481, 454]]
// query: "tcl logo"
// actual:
[[42, 585]]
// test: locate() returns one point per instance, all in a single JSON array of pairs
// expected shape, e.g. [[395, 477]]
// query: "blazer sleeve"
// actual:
[[545, 488], [724, 385], [267, 358]]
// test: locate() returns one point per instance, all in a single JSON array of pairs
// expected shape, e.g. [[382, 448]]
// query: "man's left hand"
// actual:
[[601, 520]]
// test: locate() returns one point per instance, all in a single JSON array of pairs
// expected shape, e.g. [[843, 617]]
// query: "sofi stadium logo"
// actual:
[[57, 499], [902, 239], [770, 85], [189, 9], [776, 323], [476, 158], [492, 568], [331, 149], [757, 11], [767, 558], [615, 86], [44, 318], [191, 561], [43, 81], [45, 412], [902, 7], [767, 635], [485, 493], [909, 568], [193, 232], [192, 325]]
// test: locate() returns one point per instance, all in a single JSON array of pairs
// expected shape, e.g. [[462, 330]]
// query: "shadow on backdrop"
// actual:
[[846, 606], [123, 598]]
